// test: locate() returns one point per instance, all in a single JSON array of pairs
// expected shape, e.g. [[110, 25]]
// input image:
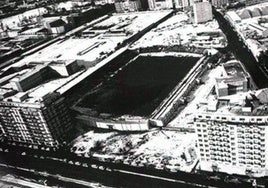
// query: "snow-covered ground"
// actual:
[[133, 22], [177, 30], [159, 149], [86, 142], [166, 149], [185, 118], [174, 54], [71, 49]]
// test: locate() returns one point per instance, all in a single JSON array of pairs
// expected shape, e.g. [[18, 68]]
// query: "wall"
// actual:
[[120, 125]]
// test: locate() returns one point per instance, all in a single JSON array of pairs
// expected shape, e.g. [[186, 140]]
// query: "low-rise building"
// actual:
[[234, 79], [263, 31], [34, 33], [29, 79], [233, 17], [55, 26]]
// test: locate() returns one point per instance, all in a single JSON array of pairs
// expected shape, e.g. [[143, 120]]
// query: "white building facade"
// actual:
[[233, 144], [202, 12]]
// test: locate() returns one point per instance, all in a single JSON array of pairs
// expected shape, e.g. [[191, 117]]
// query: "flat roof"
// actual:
[[237, 103], [71, 48], [82, 49], [234, 69], [177, 30], [29, 72]]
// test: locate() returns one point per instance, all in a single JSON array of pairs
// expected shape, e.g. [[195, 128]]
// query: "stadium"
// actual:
[[128, 94]]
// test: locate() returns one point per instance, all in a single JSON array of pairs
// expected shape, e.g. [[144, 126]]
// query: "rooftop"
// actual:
[[178, 30], [253, 11], [91, 49], [29, 72], [251, 23], [86, 52], [251, 103], [37, 93]]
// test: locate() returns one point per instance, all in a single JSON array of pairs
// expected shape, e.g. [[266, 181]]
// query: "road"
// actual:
[[236, 45], [81, 172]]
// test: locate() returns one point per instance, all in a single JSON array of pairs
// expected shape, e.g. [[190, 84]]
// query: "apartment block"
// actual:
[[232, 133], [43, 122], [32, 112], [233, 144], [219, 3], [202, 12], [127, 5]]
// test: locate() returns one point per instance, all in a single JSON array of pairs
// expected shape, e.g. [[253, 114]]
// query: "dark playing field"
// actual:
[[139, 87]]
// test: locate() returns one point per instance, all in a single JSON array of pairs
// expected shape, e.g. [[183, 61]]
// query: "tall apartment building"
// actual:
[[232, 143], [160, 4], [167, 4], [202, 12], [31, 110], [43, 122], [219, 3], [187, 3], [232, 131], [127, 5]]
